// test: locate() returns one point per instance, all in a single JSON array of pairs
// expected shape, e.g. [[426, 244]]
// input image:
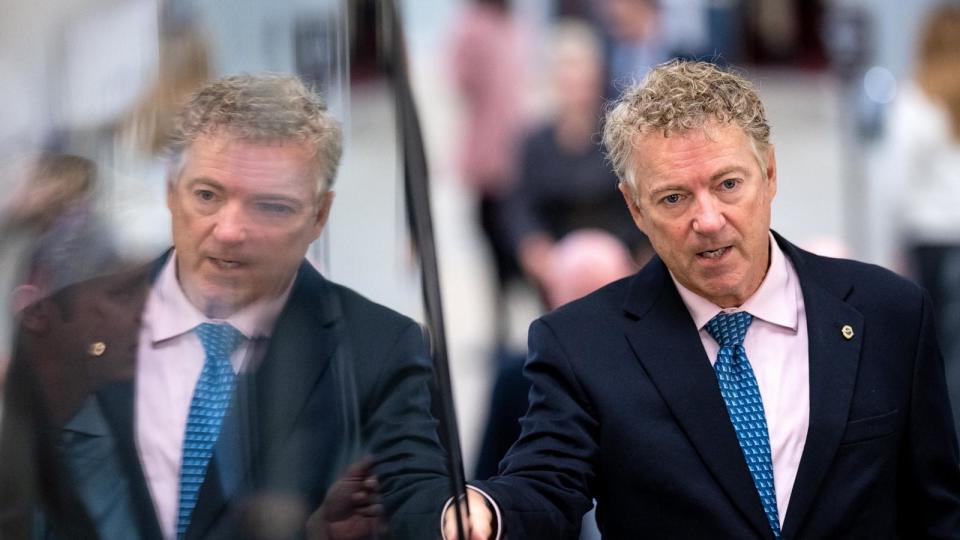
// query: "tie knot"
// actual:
[[219, 340], [729, 329]]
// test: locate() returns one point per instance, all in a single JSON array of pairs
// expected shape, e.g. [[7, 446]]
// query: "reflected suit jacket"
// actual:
[[339, 377], [625, 407]]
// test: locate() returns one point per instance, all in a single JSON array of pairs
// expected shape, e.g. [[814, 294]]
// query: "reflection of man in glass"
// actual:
[[221, 392]]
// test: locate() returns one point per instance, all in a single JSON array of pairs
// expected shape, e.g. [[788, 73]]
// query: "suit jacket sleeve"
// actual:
[[930, 491], [401, 434], [546, 478]]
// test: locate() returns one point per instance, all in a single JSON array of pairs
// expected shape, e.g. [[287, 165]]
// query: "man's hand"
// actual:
[[479, 524], [352, 508]]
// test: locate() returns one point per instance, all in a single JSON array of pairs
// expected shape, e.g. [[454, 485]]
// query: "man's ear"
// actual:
[[630, 198], [33, 313], [771, 171], [323, 210], [171, 190]]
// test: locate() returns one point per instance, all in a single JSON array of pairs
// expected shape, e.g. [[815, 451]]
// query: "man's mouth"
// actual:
[[713, 253], [224, 264]]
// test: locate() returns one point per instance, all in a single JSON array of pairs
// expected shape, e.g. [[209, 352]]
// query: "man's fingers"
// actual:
[[371, 511], [362, 468], [450, 525], [352, 504], [478, 524], [366, 494], [450, 529], [480, 531], [475, 531]]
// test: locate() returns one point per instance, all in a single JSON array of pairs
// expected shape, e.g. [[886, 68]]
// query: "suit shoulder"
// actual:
[[126, 285], [360, 310], [871, 286], [597, 307], [870, 275]]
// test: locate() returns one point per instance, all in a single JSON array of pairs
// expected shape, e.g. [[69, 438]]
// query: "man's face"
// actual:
[[704, 202], [243, 214]]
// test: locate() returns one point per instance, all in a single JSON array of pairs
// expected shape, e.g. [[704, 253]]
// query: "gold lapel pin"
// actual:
[[847, 331], [97, 348]]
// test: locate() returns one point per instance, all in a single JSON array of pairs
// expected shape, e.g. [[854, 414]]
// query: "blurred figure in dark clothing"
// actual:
[[782, 32], [582, 262], [565, 183], [567, 219], [488, 71]]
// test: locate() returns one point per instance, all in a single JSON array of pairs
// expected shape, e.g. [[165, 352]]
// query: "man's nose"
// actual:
[[709, 216], [231, 224]]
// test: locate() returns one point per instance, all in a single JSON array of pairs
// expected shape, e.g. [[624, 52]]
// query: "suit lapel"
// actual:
[[116, 402], [268, 400], [833, 368], [668, 345]]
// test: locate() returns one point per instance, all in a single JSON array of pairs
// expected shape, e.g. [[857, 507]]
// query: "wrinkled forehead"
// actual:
[[224, 137], [244, 151], [657, 152], [650, 141]]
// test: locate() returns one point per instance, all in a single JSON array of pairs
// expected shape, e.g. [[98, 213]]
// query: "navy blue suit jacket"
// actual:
[[625, 407], [340, 377]]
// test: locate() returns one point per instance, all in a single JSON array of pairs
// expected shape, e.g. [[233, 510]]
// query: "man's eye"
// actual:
[[729, 184], [673, 198], [274, 208], [204, 195]]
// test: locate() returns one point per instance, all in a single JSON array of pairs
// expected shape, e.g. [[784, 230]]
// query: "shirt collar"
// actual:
[[172, 314], [775, 301]]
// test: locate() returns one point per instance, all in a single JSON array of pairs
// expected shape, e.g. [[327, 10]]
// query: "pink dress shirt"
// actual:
[[169, 360], [777, 347]]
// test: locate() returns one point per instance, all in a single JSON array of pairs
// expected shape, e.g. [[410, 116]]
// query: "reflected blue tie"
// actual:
[[739, 389], [211, 398]]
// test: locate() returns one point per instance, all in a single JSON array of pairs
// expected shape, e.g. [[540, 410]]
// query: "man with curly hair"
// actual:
[[224, 390], [737, 386]]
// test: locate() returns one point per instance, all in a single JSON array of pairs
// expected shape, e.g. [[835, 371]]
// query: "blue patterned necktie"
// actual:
[[739, 389], [211, 398]]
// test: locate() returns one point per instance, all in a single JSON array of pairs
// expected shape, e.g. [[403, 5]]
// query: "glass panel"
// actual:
[[271, 375]]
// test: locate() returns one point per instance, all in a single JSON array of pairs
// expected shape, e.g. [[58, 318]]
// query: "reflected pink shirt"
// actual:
[[169, 360], [777, 347]]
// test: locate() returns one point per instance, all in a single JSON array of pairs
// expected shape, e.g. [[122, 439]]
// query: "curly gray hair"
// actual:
[[266, 108], [678, 96]]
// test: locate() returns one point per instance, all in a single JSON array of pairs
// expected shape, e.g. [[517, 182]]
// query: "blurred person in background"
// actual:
[[582, 262], [565, 190], [924, 152], [140, 137], [488, 62], [566, 219], [221, 391], [71, 241], [781, 32], [634, 42], [567, 222], [737, 386], [565, 184]]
